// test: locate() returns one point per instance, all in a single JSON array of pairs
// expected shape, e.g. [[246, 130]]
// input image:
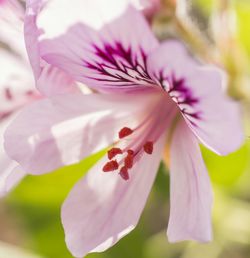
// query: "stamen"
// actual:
[[130, 152], [113, 152], [133, 150], [148, 147], [125, 131], [129, 161], [110, 166], [124, 173]]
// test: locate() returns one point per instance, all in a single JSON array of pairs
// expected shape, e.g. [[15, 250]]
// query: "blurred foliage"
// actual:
[[225, 171], [37, 200], [243, 13]]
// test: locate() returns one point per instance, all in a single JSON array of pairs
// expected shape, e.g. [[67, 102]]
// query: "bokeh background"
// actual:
[[218, 31]]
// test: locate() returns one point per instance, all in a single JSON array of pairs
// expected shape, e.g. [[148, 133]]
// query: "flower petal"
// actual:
[[190, 190], [198, 91], [49, 79], [69, 127], [15, 84], [220, 127], [107, 53], [102, 208], [149, 7], [10, 173]]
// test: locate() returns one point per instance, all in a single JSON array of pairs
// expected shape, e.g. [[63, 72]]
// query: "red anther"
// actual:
[[129, 161], [130, 152], [110, 166], [148, 147], [113, 152], [125, 131], [124, 173]]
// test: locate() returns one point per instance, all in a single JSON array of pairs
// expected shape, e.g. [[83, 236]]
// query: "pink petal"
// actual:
[[106, 53], [190, 189], [16, 87], [220, 127], [102, 208], [149, 7], [52, 133], [198, 91], [145, 4], [49, 79], [10, 173]]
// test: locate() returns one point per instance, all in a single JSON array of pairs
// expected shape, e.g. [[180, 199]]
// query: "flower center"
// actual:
[[127, 156], [140, 140]]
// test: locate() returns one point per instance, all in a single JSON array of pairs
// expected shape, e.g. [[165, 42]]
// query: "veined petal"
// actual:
[[69, 127], [190, 189], [220, 125], [102, 208], [198, 91], [49, 79], [106, 53]]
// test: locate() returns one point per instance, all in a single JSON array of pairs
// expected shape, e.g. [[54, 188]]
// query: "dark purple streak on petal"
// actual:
[[181, 94], [119, 66]]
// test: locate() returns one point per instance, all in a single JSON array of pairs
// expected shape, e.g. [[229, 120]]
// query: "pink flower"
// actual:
[[149, 95], [16, 83]]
